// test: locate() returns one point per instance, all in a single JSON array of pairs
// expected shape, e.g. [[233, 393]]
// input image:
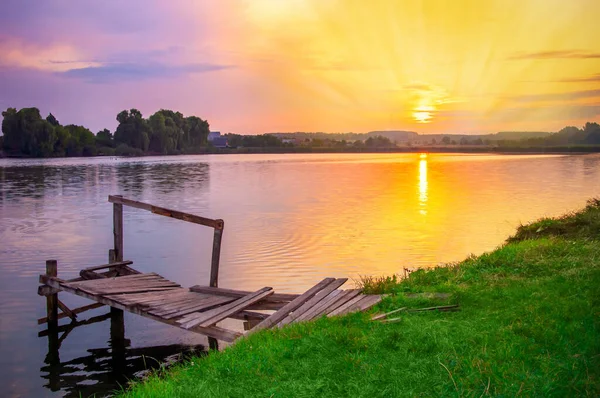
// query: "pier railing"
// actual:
[[119, 201]]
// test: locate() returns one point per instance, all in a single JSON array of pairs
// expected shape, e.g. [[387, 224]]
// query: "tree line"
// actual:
[[26, 133]]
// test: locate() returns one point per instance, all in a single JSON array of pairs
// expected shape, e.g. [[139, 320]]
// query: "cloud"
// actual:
[[593, 78], [562, 54], [568, 96], [117, 72]]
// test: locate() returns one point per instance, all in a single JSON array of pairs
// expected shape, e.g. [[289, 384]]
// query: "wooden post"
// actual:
[[118, 230], [52, 299], [111, 256], [216, 254]]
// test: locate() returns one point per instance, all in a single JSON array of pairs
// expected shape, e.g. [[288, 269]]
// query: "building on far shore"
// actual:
[[215, 138]]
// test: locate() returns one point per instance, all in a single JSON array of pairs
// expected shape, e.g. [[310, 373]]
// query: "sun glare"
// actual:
[[422, 116]]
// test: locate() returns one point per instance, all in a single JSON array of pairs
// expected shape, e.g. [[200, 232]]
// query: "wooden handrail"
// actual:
[[117, 255], [216, 224]]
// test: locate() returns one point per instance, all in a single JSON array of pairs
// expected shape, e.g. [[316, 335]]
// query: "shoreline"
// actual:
[[579, 150]]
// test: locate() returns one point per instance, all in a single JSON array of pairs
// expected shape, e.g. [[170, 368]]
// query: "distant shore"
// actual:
[[501, 150]]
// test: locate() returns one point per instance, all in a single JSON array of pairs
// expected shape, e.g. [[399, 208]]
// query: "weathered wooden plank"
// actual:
[[152, 298], [126, 270], [312, 302], [148, 299], [85, 274], [181, 304], [452, 307], [316, 310], [174, 301], [213, 316], [166, 212], [74, 311], [219, 291], [292, 305], [265, 305], [140, 289], [204, 306], [110, 265], [335, 305], [381, 316], [118, 279], [364, 304], [345, 305], [213, 331], [249, 315]]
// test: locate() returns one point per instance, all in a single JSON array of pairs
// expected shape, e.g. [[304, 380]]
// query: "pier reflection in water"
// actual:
[[102, 371]]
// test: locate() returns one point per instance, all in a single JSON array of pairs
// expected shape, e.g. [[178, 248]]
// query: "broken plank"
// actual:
[[313, 301], [381, 316], [345, 305], [292, 305], [363, 304], [213, 316], [335, 305], [330, 302], [335, 295]]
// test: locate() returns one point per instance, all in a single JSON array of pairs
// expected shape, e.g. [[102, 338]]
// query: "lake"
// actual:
[[290, 221]]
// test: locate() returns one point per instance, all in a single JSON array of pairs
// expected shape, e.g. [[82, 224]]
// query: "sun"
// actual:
[[422, 116]]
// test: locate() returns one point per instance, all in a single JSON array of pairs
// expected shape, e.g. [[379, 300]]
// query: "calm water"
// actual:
[[290, 220]]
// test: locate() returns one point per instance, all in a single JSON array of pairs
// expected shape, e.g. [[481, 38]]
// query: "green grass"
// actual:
[[529, 325]]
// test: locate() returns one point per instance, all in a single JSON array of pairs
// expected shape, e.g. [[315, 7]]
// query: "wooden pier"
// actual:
[[197, 308]]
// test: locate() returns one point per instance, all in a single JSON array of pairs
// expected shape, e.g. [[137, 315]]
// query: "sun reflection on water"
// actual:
[[423, 184]]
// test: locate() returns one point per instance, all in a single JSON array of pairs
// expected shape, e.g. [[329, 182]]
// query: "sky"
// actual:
[[257, 66]]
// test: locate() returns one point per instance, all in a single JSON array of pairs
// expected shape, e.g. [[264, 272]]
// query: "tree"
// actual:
[[104, 138], [52, 120], [446, 140], [81, 141], [26, 133], [132, 130]]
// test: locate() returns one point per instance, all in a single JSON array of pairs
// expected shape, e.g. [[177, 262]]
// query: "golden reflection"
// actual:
[[423, 185]]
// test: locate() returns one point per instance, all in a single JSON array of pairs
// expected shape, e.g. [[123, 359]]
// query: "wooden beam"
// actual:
[[52, 299], [66, 310], [214, 331], [292, 305], [216, 256], [381, 316], [219, 291], [74, 311], [166, 212], [109, 265], [70, 326], [118, 230]]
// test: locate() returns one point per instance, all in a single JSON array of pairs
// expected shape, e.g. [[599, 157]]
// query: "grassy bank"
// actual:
[[529, 325]]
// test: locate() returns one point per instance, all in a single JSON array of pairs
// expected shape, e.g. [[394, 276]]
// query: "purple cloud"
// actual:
[[109, 73]]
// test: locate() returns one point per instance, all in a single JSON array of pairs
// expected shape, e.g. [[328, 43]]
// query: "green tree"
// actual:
[[132, 130], [52, 120], [104, 138]]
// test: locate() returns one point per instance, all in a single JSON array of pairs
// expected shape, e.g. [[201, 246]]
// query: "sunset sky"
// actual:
[[255, 66]]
